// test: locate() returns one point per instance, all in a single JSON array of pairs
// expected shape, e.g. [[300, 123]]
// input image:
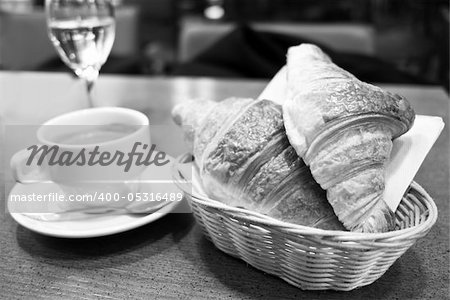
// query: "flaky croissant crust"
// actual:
[[329, 94], [245, 159], [343, 129]]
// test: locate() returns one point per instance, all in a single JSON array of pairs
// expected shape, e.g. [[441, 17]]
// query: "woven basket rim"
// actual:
[[241, 213]]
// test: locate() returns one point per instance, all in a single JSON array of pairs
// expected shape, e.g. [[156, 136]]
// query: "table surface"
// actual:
[[170, 258]]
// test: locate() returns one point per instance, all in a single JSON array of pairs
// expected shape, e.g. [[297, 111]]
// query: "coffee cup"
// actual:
[[87, 153]]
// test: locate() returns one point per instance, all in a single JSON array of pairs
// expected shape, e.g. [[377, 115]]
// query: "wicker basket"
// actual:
[[306, 257]]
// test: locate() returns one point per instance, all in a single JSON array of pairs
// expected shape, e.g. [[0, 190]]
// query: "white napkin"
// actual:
[[408, 152]]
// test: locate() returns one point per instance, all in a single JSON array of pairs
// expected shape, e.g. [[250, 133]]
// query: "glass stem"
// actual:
[[89, 86], [90, 75]]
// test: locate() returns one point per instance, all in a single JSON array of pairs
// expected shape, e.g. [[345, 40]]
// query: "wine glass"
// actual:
[[82, 32]]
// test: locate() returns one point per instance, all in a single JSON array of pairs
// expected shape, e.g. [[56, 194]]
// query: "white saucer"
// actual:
[[91, 227]]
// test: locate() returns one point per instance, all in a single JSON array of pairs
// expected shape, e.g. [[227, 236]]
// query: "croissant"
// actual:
[[244, 159], [343, 129]]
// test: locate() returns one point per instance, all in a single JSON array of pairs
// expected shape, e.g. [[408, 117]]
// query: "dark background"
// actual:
[[413, 36]]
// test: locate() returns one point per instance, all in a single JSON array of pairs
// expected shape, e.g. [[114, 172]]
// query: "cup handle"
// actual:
[[25, 174]]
